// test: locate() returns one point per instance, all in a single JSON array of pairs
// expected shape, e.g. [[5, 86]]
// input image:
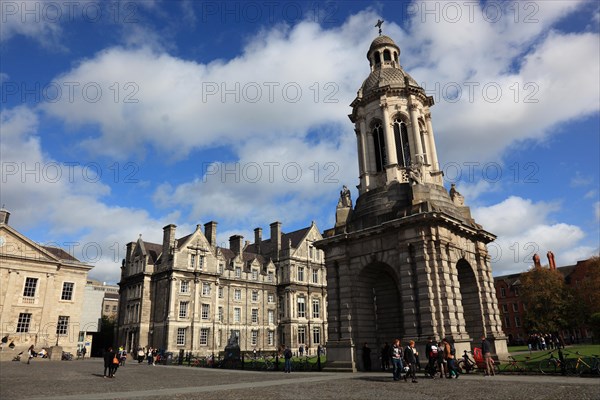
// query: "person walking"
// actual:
[[385, 357], [287, 355], [396, 355], [109, 356], [366, 356], [486, 349], [411, 361], [30, 353], [431, 353], [83, 352]]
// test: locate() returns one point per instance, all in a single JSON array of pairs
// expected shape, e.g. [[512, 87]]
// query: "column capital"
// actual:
[[428, 115], [413, 107]]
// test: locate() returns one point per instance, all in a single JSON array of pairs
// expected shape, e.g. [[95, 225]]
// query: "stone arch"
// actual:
[[471, 301], [378, 309]]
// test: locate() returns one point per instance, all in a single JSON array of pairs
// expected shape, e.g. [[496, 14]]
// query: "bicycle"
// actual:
[[513, 366], [581, 368], [553, 365], [465, 365]]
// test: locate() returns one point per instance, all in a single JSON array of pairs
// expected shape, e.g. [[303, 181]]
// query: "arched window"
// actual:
[[402, 145], [424, 145], [377, 58], [386, 55], [379, 142], [395, 56]]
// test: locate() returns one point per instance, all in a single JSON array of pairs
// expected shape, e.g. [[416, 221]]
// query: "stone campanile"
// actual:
[[407, 261]]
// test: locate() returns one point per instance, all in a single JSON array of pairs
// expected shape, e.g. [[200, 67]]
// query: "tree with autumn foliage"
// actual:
[[584, 289], [546, 300]]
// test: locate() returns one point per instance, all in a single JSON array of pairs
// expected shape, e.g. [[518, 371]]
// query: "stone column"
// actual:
[[392, 164], [432, 151], [415, 133], [364, 155]]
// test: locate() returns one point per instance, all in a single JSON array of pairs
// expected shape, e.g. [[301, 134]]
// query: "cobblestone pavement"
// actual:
[[83, 380]]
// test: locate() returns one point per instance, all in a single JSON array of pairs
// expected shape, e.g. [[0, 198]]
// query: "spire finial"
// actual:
[[378, 25]]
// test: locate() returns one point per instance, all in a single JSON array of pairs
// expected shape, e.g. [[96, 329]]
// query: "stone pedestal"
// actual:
[[340, 356], [55, 353]]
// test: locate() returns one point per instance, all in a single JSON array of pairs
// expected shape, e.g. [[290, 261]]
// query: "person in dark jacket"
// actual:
[[486, 349], [411, 361], [109, 356], [366, 356]]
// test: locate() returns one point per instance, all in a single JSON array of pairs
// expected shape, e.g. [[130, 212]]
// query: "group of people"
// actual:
[[544, 341], [151, 355], [441, 359]]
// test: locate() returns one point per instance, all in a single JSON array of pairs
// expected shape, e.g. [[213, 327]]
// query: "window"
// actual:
[[62, 325], [67, 291], [192, 260], [270, 276], [505, 308], [238, 272], [30, 286], [180, 336], [183, 309], [106, 308], [220, 314], [201, 263], [237, 294], [221, 295], [255, 295], [507, 321], [255, 315], [515, 307], [502, 292], [517, 321], [270, 338], [380, 151], [387, 55], [271, 316], [205, 311], [204, 337], [516, 290], [237, 315], [254, 338], [221, 267], [114, 308], [271, 298], [402, 144], [300, 274], [311, 252], [184, 286], [301, 335], [316, 335], [205, 289], [315, 276], [316, 308], [301, 308], [23, 322], [254, 274]]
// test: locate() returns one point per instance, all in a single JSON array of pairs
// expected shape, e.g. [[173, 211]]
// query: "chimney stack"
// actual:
[[536, 261], [257, 235], [236, 244], [551, 262], [276, 235], [168, 238], [210, 231], [4, 216]]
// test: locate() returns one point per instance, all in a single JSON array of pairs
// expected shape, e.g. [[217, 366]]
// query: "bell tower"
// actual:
[[408, 260], [392, 119]]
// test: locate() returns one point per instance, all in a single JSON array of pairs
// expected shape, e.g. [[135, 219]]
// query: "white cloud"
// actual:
[[524, 228]]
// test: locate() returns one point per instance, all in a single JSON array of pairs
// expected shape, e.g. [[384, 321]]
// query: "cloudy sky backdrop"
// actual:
[[120, 118]]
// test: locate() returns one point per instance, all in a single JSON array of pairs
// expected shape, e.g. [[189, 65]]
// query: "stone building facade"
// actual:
[[190, 294], [408, 260], [41, 294]]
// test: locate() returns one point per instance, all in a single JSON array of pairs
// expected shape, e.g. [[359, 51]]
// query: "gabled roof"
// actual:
[[60, 253], [267, 246], [247, 257]]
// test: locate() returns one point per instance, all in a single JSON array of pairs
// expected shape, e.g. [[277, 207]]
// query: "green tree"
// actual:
[[546, 300]]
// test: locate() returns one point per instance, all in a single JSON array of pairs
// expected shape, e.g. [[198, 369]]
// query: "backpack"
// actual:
[[433, 352]]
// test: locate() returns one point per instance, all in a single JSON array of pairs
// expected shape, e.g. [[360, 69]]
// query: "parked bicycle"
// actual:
[[580, 367], [513, 366], [553, 365]]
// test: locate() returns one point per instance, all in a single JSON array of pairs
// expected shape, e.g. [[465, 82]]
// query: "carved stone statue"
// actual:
[[345, 198], [414, 174], [455, 196]]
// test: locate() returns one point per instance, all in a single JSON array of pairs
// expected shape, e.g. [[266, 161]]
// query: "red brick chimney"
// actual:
[[551, 262]]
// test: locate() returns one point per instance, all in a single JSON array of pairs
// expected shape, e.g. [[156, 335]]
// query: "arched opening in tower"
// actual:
[[378, 308], [470, 299]]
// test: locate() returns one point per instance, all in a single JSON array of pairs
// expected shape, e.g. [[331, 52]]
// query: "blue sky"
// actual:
[[120, 118]]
